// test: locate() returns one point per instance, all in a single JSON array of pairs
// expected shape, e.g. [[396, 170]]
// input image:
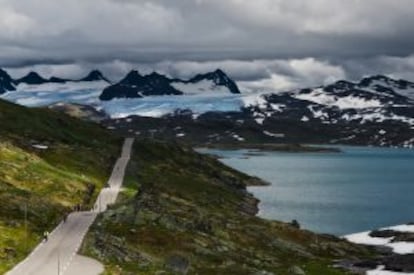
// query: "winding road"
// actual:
[[59, 254]]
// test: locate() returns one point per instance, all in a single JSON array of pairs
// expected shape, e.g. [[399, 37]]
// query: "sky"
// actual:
[[262, 44]]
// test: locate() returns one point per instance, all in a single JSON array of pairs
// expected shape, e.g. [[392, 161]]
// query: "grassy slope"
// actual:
[[49, 182], [183, 211]]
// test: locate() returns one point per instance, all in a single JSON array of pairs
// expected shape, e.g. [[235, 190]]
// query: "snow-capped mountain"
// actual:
[[6, 82], [34, 90], [135, 85], [216, 81], [33, 78], [377, 110], [374, 99]]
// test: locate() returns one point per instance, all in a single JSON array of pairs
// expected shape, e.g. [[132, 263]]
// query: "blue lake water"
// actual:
[[339, 193]]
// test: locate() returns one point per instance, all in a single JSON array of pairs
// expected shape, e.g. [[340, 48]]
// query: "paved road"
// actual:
[[56, 256]]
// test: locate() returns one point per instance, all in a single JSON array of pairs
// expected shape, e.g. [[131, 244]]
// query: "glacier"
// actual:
[[87, 93]]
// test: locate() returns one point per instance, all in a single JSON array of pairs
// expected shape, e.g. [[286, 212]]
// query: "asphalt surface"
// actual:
[[58, 255]]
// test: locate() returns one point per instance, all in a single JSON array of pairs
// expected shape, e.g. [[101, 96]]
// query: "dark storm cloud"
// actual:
[[293, 43]]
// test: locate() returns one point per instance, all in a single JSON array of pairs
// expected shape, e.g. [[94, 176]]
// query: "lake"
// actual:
[[360, 189]]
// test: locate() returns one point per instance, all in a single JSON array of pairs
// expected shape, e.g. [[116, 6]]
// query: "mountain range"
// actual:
[[135, 85], [7, 83], [377, 110]]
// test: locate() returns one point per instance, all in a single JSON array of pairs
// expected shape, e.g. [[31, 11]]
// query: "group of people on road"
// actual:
[[76, 208]]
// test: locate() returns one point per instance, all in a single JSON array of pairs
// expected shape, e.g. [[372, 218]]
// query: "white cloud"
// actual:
[[13, 25]]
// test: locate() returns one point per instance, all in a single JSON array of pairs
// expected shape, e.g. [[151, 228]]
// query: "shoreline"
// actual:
[[271, 147]]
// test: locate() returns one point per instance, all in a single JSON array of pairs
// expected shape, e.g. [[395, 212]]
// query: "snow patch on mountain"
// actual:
[[157, 106], [204, 86], [254, 100], [320, 96], [66, 87], [50, 93], [398, 247]]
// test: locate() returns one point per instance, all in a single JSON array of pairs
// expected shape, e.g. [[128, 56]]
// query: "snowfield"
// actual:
[[51, 93], [200, 98], [200, 87], [350, 102], [157, 106], [397, 247]]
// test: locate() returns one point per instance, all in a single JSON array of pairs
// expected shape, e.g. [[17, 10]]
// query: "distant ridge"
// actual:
[[135, 85], [7, 83]]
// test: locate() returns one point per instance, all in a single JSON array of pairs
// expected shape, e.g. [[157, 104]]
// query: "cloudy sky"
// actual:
[[263, 44]]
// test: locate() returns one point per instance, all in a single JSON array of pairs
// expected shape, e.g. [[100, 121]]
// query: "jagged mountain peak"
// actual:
[[369, 80], [132, 78], [6, 82], [156, 74], [32, 78], [4, 76], [95, 75], [219, 77], [386, 84], [340, 86]]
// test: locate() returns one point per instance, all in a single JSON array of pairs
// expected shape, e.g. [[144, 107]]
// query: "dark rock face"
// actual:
[[381, 80], [6, 82], [32, 78], [57, 80], [135, 85], [95, 75], [219, 78], [396, 235], [395, 263], [400, 263]]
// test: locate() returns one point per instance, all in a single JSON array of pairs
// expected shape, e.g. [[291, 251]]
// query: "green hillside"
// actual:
[[180, 212], [185, 213], [46, 182]]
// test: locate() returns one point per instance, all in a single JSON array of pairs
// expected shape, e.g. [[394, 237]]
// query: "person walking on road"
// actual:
[[45, 236], [65, 217]]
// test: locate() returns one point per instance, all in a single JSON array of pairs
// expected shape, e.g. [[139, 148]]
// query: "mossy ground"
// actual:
[[48, 183], [184, 212]]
